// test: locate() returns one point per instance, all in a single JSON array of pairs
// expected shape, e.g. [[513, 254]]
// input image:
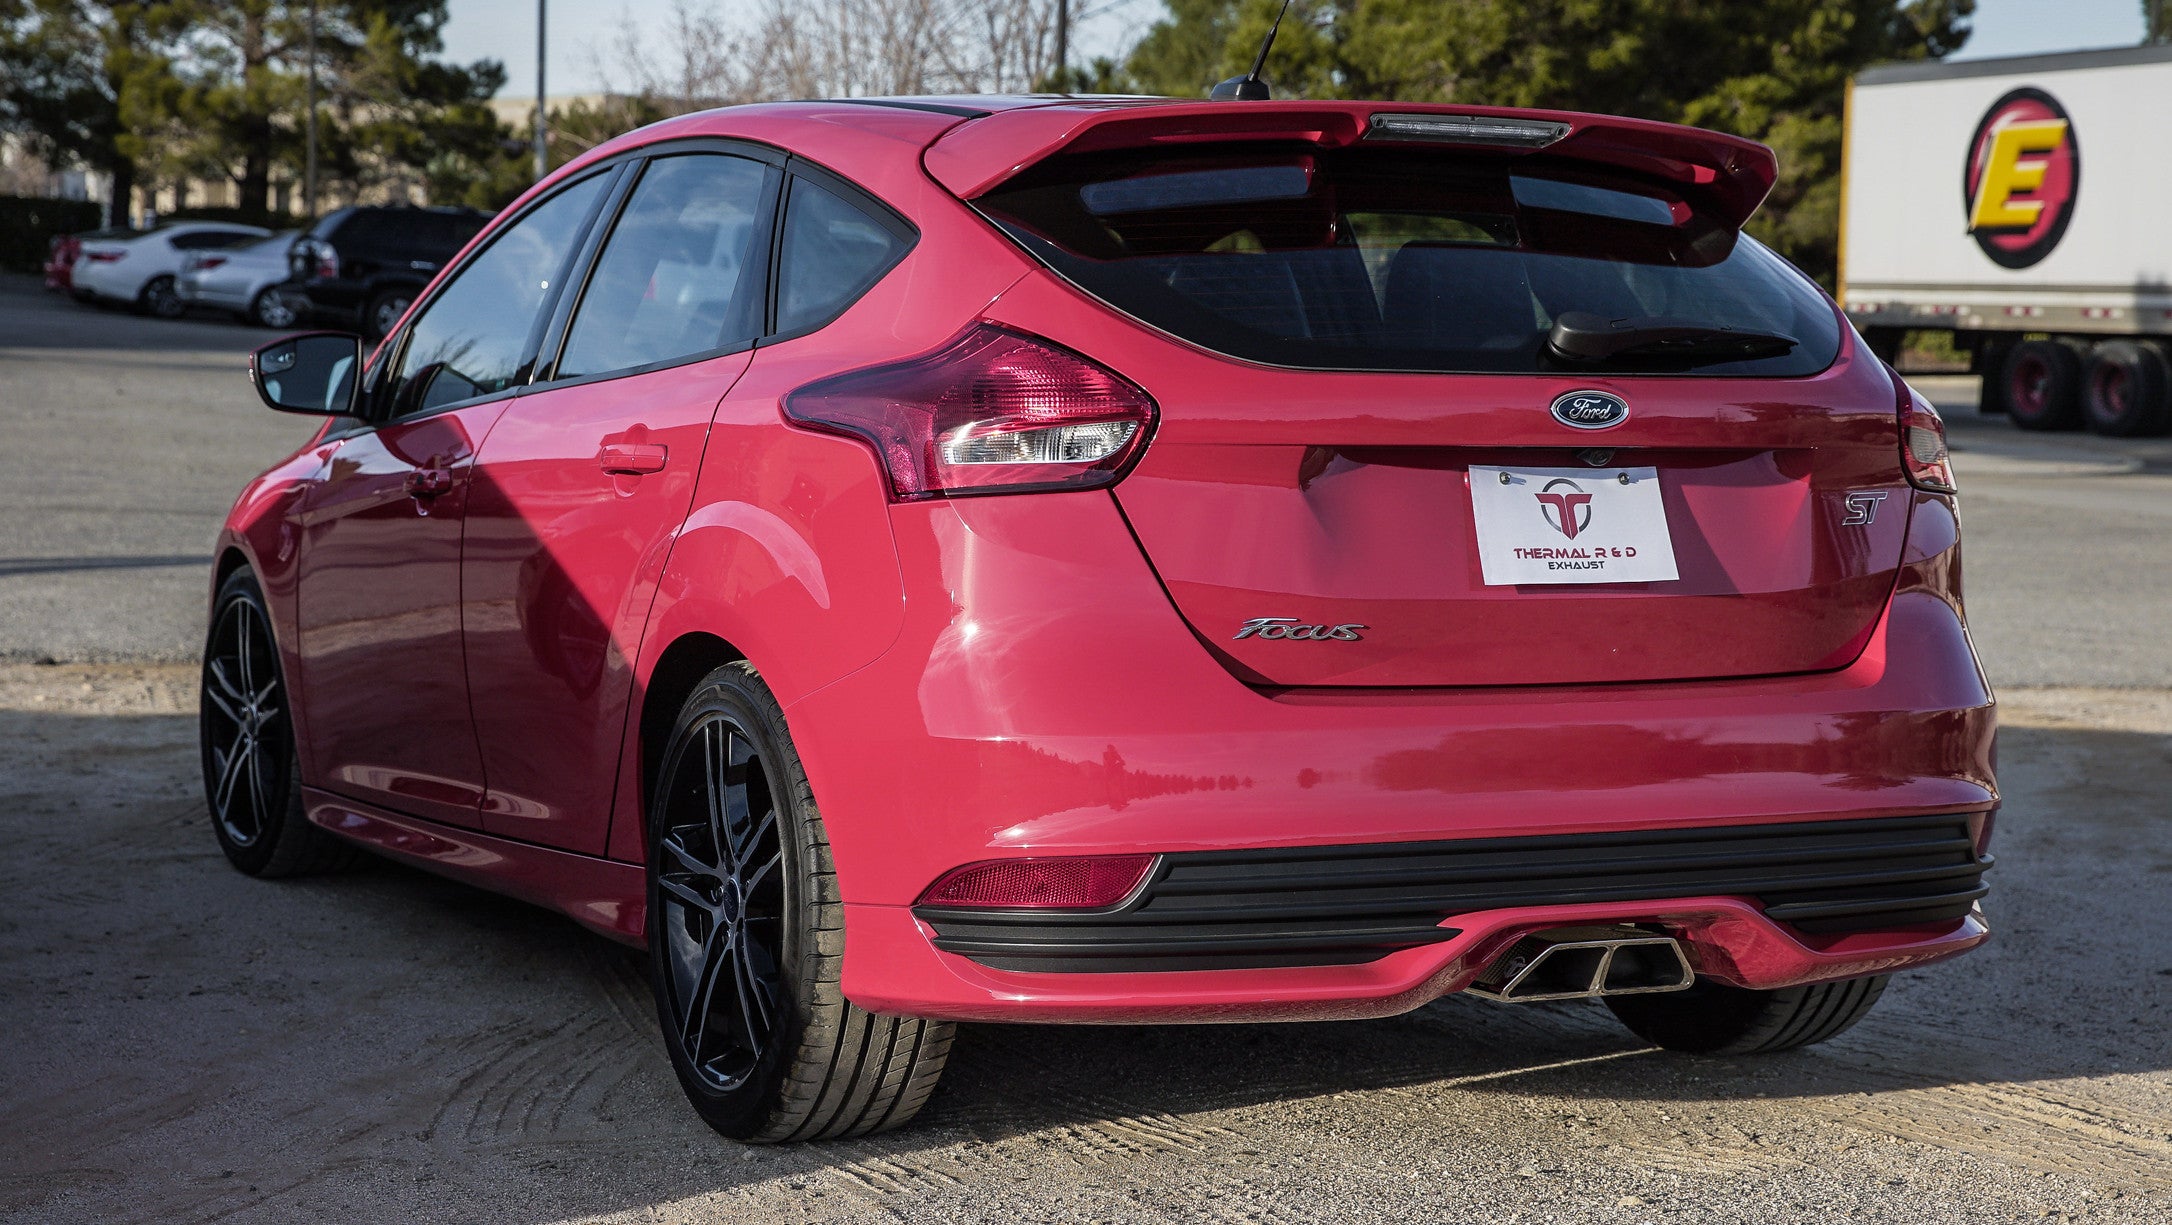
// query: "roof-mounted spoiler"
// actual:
[[1726, 177]]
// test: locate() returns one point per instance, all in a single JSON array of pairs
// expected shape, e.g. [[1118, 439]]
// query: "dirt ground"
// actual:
[[181, 1044]]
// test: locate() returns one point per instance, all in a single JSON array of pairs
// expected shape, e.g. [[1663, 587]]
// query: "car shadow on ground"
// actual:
[[444, 1002]]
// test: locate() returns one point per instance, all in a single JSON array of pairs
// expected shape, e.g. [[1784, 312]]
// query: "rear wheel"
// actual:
[[1715, 1019], [273, 309], [384, 311], [2043, 384], [746, 938], [2127, 389], [161, 297], [252, 783]]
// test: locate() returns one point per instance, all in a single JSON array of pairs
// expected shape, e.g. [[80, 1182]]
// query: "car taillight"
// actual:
[[104, 257], [1923, 442], [991, 411], [1076, 882], [205, 263], [327, 260]]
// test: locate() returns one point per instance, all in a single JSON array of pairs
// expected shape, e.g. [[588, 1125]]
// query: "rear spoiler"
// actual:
[[1727, 177]]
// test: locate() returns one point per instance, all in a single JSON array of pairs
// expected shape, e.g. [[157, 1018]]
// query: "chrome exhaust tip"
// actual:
[[1584, 963]]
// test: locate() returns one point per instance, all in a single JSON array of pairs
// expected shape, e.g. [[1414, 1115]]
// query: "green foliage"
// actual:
[[1775, 71], [2157, 21], [28, 224], [211, 89]]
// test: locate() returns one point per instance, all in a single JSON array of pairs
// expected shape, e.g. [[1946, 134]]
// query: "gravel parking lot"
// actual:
[[183, 1044]]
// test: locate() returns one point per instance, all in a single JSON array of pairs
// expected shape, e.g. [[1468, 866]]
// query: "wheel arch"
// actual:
[[679, 668]]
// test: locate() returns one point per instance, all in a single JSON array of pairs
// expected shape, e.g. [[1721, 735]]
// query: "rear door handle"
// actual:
[[428, 482], [633, 458]]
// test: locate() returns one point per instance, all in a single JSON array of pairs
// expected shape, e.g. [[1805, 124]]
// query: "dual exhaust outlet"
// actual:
[[1583, 963]]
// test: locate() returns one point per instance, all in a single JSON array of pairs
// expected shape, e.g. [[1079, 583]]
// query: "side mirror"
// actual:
[[315, 373]]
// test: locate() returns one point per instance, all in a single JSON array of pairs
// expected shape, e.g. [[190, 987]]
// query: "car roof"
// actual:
[[972, 143]]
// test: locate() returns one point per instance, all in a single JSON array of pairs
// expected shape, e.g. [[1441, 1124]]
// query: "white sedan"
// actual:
[[143, 270], [244, 279]]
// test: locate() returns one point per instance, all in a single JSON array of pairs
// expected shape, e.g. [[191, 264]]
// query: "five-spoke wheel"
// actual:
[[746, 937], [721, 902], [250, 783]]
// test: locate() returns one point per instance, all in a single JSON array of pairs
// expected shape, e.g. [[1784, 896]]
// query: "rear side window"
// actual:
[[1407, 259], [833, 252], [678, 275]]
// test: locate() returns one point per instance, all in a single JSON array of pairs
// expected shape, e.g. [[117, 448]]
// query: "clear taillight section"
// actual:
[[1078, 882], [991, 411], [1923, 442]]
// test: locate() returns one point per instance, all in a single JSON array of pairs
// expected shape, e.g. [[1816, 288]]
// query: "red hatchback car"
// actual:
[[1059, 559]]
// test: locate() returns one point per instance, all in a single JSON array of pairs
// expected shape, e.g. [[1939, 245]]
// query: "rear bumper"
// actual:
[[891, 967], [1043, 698]]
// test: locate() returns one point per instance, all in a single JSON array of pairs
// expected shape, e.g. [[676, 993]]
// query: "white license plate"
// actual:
[[1570, 525]]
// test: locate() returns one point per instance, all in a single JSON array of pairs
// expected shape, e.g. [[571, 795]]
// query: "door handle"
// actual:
[[428, 482], [633, 458]]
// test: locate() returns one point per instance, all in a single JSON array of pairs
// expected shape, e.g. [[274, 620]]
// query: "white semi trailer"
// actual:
[[2025, 205]]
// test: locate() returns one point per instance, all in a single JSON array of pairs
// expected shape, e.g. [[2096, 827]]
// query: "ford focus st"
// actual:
[[1084, 560]]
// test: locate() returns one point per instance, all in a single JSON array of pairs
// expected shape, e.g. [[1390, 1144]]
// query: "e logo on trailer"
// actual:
[[2021, 178]]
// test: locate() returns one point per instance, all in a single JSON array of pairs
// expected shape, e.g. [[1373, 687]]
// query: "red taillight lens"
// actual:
[[205, 263], [1081, 882], [327, 261], [103, 257], [1923, 442], [992, 411]]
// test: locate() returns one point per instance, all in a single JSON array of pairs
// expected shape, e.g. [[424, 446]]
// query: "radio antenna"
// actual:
[[1249, 87]]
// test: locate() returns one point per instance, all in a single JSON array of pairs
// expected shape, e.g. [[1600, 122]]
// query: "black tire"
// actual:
[[2127, 389], [1714, 1019], [274, 309], [384, 310], [162, 298], [741, 884], [2043, 384], [252, 776]]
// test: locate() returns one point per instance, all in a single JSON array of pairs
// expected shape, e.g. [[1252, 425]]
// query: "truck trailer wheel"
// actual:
[[2042, 381], [2127, 389]]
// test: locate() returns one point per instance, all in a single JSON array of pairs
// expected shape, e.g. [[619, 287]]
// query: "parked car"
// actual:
[[142, 268], [360, 268], [244, 279], [61, 252], [1059, 559]]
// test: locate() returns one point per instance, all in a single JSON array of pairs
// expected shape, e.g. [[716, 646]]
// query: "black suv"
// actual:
[[360, 267]]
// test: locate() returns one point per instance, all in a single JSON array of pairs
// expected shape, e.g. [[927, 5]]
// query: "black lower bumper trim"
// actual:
[[1343, 905]]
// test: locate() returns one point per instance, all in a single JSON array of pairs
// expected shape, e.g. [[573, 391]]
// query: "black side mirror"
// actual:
[[316, 373]]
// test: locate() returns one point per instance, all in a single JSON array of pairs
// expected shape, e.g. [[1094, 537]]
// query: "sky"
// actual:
[[579, 29]]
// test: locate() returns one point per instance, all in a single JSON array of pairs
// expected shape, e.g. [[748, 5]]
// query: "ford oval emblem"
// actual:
[[1590, 410]]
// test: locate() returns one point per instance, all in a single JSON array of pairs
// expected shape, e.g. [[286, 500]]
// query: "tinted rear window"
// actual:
[[1403, 259]]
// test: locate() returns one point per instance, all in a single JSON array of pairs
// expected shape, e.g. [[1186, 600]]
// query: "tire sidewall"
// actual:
[[735, 693]]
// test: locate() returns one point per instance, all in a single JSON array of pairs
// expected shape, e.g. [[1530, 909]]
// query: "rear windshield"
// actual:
[[1409, 259]]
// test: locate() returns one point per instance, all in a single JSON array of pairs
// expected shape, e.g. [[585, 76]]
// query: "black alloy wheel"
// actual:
[[721, 903], [162, 298], [251, 784], [746, 938]]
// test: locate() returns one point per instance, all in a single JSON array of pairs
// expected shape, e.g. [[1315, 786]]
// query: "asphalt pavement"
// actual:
[[181, 1044]]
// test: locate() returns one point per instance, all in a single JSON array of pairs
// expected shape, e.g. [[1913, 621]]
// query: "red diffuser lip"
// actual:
[[1078, 882]]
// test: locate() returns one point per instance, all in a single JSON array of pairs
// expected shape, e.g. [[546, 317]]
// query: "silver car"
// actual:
[[244, 279]]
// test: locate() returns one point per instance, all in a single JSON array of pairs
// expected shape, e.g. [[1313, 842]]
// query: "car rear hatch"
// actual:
[[1460, 397]]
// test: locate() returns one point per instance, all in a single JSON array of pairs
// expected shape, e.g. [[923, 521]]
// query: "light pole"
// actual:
[[1063, 44], [309, 165], [542, 151]]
